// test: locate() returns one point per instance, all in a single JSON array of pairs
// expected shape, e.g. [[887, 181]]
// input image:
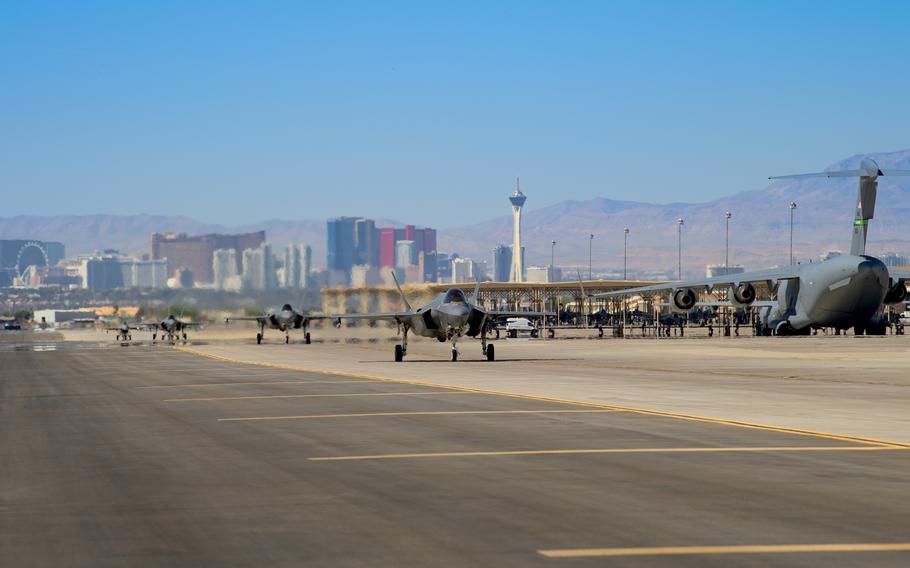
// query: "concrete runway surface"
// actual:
[[151, 456]]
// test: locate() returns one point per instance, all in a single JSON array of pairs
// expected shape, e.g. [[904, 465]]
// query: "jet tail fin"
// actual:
[[404, 299], [476, 292]]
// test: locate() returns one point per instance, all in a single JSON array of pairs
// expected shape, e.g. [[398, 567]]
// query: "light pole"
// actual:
[[625, 252], [679, 223], [590, 266], [552, 260], [792, 209], [728, 215]]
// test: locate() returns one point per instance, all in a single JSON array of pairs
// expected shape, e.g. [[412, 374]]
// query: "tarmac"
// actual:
[[729, 451]]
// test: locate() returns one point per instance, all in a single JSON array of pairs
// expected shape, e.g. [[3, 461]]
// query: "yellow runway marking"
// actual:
[[312, 396], [196, 385], [416, 413], [630, 409], [732, 549], [609, 451]]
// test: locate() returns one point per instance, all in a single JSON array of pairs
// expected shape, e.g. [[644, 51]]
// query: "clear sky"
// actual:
[[425, 112]]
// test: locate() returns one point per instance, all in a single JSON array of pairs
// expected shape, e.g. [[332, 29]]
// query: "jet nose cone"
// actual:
[[456, 310]]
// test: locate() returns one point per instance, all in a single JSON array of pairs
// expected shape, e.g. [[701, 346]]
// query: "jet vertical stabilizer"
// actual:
[[868, 174]]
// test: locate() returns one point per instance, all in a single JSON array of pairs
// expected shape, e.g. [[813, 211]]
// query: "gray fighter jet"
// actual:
[[124, 331], [842, 292], [284, 320], [450, 316], [170, 328]]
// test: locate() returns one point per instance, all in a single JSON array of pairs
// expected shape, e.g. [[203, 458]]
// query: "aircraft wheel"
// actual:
[[491, 353], [859, 329], [154, 336], [454, 355], [287, 339], [399, 354], [306, 338], [258, 338], [534, 333]]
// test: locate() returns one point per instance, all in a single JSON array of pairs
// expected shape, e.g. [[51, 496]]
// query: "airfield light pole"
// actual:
[[727, 215], [625, 252], [792, 209], [590, 266], [679, 223], [553, 259]]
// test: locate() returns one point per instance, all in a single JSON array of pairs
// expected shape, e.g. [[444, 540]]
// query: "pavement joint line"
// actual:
[[332, 395], [728, 549], [412, 413], [245, 383], [704, 450], [630, 409]]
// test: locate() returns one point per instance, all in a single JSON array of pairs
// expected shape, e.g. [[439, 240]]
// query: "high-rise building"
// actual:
[[259, 268], [517, 199], [197, 253], [502, 263], [462, 270], [405, 254], [293, 266], [224, 268], [357, 240]]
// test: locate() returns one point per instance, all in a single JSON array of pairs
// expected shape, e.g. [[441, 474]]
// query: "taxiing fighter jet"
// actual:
[[284, 320], [842, 292], [170, 328], [123, 331], [447, 318]]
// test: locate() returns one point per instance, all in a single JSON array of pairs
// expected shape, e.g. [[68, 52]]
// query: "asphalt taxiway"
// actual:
[[147, 455]]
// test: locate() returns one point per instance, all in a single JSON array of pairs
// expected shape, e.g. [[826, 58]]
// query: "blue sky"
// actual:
[[425, 112]]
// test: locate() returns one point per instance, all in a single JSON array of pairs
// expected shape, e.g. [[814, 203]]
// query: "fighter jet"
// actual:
[[123, 331], [170, 327], [842, 292], [284, 320], [450, 316]]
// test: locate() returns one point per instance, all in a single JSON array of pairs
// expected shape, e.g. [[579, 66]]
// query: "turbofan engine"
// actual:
[[897, 293], [743, 294], [684, 299]]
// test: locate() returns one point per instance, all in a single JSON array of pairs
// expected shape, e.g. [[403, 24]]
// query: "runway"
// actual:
[[151, 456]]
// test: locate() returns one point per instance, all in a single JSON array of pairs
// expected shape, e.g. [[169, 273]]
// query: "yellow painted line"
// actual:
[[355, 394], [197, 385], [730, 549], [630, 409], [415, 413], [609, 451]]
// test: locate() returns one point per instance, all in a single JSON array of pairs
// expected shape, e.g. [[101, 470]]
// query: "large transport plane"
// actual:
[[285, 319], [450, 316], [842, 292]]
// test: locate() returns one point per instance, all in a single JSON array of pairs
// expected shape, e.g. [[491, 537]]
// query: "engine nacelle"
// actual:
[[897, 293], [684, 299], [744, 294]]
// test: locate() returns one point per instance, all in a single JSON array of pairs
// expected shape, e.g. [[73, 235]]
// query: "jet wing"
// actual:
[[771, 275], [245, 318], [370, 316], [506, 314]]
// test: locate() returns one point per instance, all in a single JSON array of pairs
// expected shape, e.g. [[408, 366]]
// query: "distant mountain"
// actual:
[[759, 230]]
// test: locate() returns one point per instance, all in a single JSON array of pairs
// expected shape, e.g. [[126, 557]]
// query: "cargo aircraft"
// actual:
[[841, 292]]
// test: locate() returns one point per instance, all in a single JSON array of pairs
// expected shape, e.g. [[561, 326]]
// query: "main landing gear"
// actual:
[[306, 338], [488, 351], [402, 350]]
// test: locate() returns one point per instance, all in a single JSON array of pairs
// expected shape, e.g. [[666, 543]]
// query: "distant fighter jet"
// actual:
[[123, 331], [447, 318], [170, 327], [842, 292], [284, 320]]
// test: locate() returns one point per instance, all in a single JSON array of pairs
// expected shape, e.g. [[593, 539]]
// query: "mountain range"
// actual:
[[759, 228]]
